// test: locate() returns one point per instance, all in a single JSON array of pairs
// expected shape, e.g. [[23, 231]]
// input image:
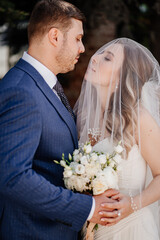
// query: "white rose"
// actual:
[[67, 173], [75, 183], [117, 158], [80, 183], [87, 148], [92, 169], [118, 149], [76, 152], [73, 165], [69, 182], [99, 185], [80, 169], [84, 160], [76, 157], [111, 177], [94, 157], [102, 159]]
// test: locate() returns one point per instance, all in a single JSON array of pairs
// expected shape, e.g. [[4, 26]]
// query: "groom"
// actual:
[[37, 126]]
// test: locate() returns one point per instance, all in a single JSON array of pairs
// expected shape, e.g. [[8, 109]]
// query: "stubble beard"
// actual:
[[65, 59]]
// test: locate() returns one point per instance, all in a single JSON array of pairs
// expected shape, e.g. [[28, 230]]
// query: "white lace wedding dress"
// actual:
[[139, 225]]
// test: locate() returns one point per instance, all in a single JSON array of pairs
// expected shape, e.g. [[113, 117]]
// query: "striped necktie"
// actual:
[[60, 92]]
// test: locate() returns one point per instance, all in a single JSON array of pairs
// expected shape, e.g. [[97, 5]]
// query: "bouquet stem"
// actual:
[[90, 231]]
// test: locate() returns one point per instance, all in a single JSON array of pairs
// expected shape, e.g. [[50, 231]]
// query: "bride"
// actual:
[[120, 101]]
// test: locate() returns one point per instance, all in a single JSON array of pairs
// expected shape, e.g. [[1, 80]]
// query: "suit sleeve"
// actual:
[[20, 131]]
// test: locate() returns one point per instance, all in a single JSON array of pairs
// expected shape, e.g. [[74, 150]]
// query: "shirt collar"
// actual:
[[48, 76]]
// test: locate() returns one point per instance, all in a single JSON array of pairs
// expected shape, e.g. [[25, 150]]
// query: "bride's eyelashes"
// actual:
[[107, 59]]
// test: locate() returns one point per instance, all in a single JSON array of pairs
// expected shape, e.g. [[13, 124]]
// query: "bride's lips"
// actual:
[[91, 69]]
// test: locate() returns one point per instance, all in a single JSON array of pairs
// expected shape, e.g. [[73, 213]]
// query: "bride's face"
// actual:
[[104, 68]]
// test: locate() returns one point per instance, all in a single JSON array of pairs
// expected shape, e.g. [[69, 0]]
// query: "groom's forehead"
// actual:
[[76, 27]]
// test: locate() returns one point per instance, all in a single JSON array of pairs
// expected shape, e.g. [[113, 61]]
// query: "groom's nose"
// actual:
[[81, 48]]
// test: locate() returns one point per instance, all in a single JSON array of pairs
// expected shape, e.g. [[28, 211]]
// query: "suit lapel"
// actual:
[[51, 96]]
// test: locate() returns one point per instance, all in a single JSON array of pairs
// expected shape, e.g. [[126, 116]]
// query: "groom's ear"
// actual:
[[54, 36]]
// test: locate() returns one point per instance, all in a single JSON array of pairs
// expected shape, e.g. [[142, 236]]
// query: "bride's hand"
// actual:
[[122, 206]]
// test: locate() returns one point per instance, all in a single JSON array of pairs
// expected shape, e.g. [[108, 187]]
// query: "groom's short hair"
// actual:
[[52, 13]]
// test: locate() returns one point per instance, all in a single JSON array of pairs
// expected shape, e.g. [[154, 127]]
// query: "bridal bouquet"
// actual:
[[91, 171]]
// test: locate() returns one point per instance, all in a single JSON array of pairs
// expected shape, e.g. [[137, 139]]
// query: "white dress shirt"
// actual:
[[51, 80], [48, 76]]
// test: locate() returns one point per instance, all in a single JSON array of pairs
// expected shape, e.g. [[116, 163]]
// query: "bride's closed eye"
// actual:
[[107, 59]]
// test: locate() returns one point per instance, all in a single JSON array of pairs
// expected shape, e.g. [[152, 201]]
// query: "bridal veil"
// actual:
[[121, 84]]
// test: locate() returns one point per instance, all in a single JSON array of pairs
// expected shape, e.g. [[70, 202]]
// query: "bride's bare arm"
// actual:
[[150, 150]]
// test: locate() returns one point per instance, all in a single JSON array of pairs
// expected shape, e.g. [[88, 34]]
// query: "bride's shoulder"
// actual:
[[147, 122]]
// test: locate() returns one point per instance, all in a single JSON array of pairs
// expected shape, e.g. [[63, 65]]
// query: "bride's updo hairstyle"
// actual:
[[121, 83]]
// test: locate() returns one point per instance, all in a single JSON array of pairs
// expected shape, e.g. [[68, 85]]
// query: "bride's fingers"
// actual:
[[114, 205], [117, 196], [107, 214], [110, 220], [111, 192]]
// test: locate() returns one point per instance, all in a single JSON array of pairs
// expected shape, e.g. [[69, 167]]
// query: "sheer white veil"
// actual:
[[121, 82]]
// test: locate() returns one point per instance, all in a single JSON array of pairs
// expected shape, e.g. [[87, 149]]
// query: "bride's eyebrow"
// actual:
[[110, 53]]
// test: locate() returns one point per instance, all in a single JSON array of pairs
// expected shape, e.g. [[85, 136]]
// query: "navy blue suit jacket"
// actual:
[[35, 129]]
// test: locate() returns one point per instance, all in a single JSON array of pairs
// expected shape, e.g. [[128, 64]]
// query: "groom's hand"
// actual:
[[99, 213]]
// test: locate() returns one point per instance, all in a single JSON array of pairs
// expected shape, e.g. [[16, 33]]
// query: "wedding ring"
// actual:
[[118, 213]]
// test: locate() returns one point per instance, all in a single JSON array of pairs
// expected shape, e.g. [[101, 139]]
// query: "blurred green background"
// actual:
[[106, 20]]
